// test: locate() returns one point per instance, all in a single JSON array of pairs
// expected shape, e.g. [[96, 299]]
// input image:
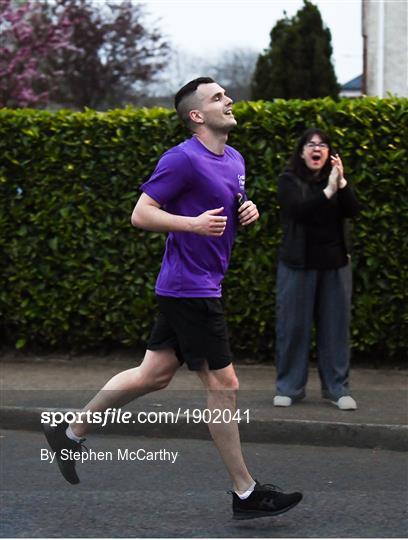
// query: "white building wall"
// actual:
[[385, 29]]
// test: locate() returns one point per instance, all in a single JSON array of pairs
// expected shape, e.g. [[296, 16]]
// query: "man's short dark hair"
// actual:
[[190, 88]]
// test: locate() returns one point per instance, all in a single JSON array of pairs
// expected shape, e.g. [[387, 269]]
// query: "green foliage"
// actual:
[[297, 63], [75, 274]]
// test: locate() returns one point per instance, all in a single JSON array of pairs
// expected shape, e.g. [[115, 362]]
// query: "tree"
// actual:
[[297, 63], [235, 71], [28, 39], [113, 56]]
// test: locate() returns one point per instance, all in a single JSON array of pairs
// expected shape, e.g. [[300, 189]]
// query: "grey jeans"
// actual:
[[305, 298]]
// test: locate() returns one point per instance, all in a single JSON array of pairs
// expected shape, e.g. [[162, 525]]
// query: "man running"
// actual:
[[197, 195]]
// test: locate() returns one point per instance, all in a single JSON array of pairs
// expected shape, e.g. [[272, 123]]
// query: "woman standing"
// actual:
[[314, 272]]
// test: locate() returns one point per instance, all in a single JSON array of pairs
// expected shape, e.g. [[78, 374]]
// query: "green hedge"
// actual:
[[75, 273]]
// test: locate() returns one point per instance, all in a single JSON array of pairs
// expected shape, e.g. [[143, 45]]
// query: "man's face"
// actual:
[[215, 109]]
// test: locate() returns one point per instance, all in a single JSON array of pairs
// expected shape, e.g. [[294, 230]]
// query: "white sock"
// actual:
[[71, 435], [246, 493]]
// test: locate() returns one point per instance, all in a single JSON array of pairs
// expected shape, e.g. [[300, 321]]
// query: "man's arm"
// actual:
[[148, 215]]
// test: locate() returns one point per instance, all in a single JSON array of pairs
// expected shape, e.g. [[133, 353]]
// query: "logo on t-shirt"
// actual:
[[241, 180]]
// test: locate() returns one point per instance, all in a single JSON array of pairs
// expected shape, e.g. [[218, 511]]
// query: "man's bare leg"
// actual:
[[154, 373], [222, 386]]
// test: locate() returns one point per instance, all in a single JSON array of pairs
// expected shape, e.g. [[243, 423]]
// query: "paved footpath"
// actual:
[[55, 383]]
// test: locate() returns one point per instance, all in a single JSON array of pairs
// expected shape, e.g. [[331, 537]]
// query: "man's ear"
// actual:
[[196, 116]]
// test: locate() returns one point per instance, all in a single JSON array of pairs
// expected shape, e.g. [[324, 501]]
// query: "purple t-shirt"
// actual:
[[190, 179]]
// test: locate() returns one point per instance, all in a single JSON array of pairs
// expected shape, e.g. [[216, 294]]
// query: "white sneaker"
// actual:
[[282, 401], [346, 403]]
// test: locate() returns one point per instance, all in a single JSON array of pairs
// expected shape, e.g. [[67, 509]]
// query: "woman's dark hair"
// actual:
[[296, 163]]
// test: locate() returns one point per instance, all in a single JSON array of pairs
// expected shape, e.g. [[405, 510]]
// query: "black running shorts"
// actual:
[[195, 328]]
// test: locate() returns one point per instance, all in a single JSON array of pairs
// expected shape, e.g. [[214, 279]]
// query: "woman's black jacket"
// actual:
[[299, 204]]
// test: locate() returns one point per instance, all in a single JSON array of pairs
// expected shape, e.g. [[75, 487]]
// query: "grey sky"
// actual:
[[207, 27]]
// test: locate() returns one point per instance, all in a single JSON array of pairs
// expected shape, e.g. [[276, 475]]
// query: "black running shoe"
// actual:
[[58, 441], [265, 500]]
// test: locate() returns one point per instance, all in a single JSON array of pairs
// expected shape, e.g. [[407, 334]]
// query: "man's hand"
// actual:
[[247, 213], [209, 223]]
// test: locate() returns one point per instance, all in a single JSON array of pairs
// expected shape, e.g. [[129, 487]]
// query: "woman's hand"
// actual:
[[337, 163]]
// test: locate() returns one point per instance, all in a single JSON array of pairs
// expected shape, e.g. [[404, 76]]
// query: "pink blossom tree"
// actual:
[[73, 53], [115, 55], [27, 39]]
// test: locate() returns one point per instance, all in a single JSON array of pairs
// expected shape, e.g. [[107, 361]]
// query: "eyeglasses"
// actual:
[[313, 145]]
